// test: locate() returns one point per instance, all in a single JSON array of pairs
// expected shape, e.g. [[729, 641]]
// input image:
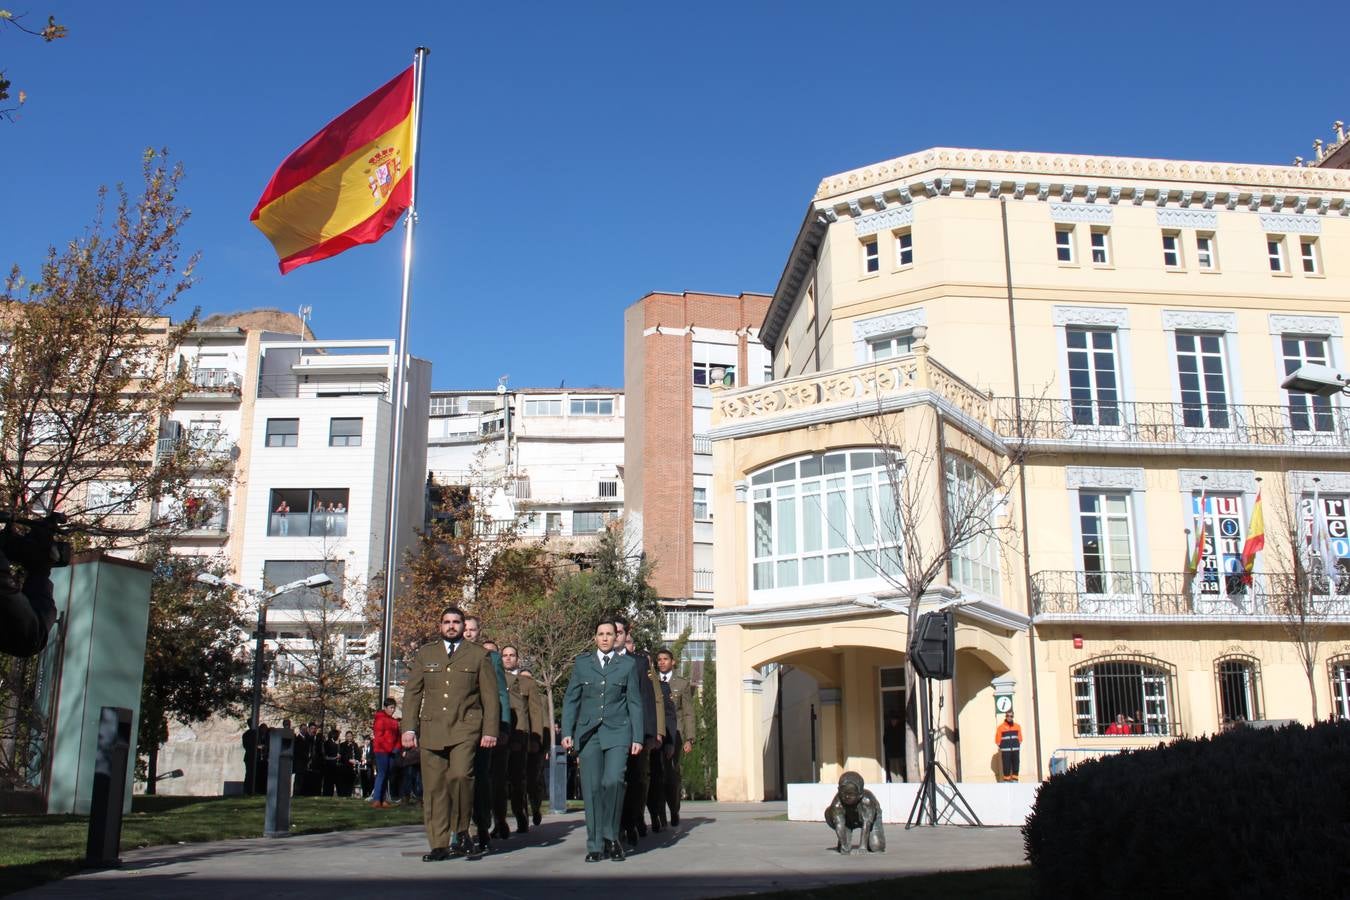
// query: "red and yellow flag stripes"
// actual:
[[345, 186]]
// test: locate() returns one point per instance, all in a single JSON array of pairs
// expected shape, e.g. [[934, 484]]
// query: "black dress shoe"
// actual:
[[674, 819], [537, 818], [463, 846], [482, 845], [522, 826], [616, 851], [593, 857], [440, 854]]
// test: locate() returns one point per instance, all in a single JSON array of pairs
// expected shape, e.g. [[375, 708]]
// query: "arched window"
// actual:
[[826, 518], [970, 508], [1122, 695], [1239, 680], [1340, 687]]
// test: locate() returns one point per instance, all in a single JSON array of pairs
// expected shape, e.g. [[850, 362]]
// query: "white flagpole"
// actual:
[[397, 399]]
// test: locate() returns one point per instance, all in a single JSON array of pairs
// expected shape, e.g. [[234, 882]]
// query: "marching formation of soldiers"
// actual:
[[480, 722]]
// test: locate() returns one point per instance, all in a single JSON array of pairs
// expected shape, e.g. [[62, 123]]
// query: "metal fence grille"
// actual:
[[1239, 679], [1122, 696]]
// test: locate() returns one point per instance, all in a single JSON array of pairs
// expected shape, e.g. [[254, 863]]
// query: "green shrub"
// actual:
[[1252, 812]]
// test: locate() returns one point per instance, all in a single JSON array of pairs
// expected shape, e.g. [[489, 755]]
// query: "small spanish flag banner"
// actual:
[[345, 186], [1256, 540]]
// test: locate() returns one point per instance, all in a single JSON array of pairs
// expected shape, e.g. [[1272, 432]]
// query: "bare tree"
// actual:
[[52, 31]]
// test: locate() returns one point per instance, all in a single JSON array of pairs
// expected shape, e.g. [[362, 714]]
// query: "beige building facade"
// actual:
[[1093, 349]]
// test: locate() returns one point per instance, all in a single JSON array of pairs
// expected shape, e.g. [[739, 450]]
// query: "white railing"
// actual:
[[696, 620], [702, 445]]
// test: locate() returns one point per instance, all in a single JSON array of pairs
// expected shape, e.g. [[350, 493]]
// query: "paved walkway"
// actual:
[[719, 849]]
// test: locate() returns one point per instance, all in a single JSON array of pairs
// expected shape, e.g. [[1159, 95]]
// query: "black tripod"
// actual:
[[925, 802]]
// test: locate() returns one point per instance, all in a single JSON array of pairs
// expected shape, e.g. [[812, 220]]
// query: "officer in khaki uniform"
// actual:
[[682, 695], [540, 735], [521, 691], [450, 708]]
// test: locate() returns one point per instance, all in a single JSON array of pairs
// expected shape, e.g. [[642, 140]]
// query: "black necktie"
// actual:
[[604, 660], [450, 649]]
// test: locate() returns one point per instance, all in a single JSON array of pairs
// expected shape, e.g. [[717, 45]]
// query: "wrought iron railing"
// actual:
[[216, 381], [1138, 594], [1182, 424]]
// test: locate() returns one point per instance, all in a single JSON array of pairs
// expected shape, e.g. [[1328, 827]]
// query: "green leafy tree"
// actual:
[[193, 667], [699, 765]]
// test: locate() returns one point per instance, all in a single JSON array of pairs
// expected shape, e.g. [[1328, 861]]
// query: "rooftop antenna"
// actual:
[[305, 312]]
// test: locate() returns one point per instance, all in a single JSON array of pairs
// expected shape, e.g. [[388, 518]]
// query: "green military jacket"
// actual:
[[451, 699], [683, 696], [603, 704]]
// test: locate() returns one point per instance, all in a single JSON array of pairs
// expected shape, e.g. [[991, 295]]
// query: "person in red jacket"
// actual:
[[1008, 736], [385, 744]]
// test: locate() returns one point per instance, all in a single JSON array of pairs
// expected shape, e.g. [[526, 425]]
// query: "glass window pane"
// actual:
[[787, 525], [812, 522], [864, 532], [838, 567], [787, 573], [837, 531], [813, 570], [763, 530]]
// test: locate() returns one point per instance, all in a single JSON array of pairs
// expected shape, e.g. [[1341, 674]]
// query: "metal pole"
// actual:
[[257, 688], [396, 397]]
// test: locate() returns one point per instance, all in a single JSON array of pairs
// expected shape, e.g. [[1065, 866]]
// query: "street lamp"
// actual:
[[263, 598], [1322, 381]]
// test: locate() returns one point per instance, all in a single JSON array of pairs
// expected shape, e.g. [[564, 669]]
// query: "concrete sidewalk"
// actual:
[[719, 849]]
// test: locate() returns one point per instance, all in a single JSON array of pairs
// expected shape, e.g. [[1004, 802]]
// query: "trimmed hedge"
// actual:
[[1252, 812]]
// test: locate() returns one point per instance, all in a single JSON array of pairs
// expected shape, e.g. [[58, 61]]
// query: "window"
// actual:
[[1101, 248], [1064, 243], [1307, 412], [1122, 696], [553, 523], [1203, 377], [591, 522], [1326, 543], [871, 258], [283, 432], [890, 345], [970, 498], [1308, 251], [1275, 252], [824, 519], [106, 498], [543, 407], [608, 488], [1171, 244], [1206, 256], [703, 374], [304, 512], [277, 572], [1340, 687], [700, 504], [1094, 392], [1221, 524], [904, 248], [591, 406], [1239, 690], [344, 432], [1104, 520]]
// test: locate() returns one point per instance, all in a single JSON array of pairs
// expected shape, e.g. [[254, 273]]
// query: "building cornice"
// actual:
[[1291, 196], [804, 611]]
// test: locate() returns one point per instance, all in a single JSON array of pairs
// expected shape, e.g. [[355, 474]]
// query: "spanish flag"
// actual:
[[348, 184], [1256, 540]]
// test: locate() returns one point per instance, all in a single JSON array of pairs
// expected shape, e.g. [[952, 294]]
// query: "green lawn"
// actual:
[[1005, 883], [34, 849]]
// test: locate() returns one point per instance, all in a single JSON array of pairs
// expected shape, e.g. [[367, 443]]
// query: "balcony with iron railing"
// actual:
[[208, 451], [703, 581], [696, 620], [1068, 595], [222, 384], [1312, 428]]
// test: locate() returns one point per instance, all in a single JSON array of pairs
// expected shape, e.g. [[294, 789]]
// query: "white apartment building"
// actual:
[[551, 458]]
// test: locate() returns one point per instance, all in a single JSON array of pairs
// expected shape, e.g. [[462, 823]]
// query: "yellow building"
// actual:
[[1087, 353]]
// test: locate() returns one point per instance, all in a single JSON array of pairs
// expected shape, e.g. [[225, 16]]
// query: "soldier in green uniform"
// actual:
[[451, 707], [683, 697], [603, 722]]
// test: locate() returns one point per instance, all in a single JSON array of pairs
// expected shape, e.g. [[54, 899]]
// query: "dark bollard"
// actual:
[[557, 781], [278, 820], [110, 788]]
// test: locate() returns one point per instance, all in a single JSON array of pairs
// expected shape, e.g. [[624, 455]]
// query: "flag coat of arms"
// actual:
[[346, 185]]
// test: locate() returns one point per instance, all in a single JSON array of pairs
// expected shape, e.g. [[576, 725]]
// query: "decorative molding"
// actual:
[[1187, 218], [890, 323], [1290, 223], [1198, 319], [886, 220], [1335, 482], [1328, 325], [1110, 316], [1243, 480], [752, 685], [1078, 477], [1078, 212], [741, 488]]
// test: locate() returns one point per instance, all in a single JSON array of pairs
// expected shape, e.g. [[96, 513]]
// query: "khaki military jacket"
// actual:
[[450, 700], [682, 693]]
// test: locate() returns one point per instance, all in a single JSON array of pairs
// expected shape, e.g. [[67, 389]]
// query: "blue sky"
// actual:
[[576, 156]]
